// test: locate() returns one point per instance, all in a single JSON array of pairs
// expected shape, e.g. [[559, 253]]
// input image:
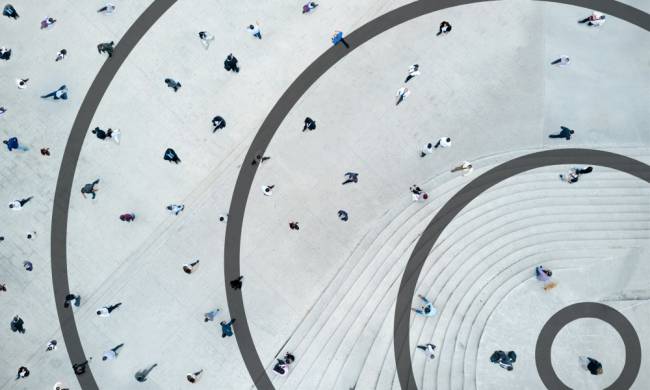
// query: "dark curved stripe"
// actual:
[[66, 175]]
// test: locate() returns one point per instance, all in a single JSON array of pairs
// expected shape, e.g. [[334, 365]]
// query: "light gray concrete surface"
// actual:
[[326, 292]]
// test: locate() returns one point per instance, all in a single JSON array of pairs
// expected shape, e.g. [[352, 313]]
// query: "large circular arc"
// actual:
[[246, 174], [457, 203], [58, 245], [272, 122]]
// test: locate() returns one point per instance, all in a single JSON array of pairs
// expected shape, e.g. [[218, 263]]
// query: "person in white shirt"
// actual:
[[18, 204], [268, 190], [106, 310], [595, 19], [176, 208], [194, 377], [413, 71], [426, 309], [112, 353], [107, 9], [444, 142], [205, 38], [562, 61], [428, 350], [426, 149], [255, 31], [22, 83], [61, 55], [402, 94]]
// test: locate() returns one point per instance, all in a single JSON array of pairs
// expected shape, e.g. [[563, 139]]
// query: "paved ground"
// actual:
[[326, 292]]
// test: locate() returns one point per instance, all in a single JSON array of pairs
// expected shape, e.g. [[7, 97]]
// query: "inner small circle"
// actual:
[[587, 338]]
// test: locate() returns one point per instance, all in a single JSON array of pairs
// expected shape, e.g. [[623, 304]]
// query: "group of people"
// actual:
[[231, 63]]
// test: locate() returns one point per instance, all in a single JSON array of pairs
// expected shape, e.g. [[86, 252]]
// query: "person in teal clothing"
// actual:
[[426, 309], [226, 328], [338, 37]]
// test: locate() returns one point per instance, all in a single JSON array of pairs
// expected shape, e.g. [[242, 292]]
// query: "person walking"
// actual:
[[80, 368], [90, 189], [236, 284], [127, 217], [223, 218], [310, 6], [255, 31], [5, 53], [504, 360], [417, 193], [171, 156], [101, 134], [21, 83], [47, 22], [571, 177], [230, 63], [338, 37], [209, 316], [17, 325], [2, 110], [72, 299], [10, 12], [414, 70], [141, 376], [105, 311], [259, 158], [12, 143], [173, 84], [106, 47], [28, 265], [194, 377], [31, 235], [189, 268], [268, 190], [595, 19], [465, 167], [401, 95], [176, 208], [428, 350], [351, 177], [60, 55], [107, 9], [219, 123], [343, 215], [282, 365], [226, 328], [61, 93], [45, 151], [205, 38], [426, 309], [294, 226], [591, 365], [3, 287], [23, 372], [19, 204], [59, 386], [310, 124], [544, 275], [112, 353], [562, 61], [565, 133], [445, 28], [426, 149], [444, 142], [51, 346]]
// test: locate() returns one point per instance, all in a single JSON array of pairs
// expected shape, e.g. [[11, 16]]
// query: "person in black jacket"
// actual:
[[230, 64]]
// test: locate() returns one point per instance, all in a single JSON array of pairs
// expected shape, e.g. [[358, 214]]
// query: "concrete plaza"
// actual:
[[326, 292]]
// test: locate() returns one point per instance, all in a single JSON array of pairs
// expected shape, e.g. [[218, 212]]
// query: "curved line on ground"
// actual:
[[58, 246]]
